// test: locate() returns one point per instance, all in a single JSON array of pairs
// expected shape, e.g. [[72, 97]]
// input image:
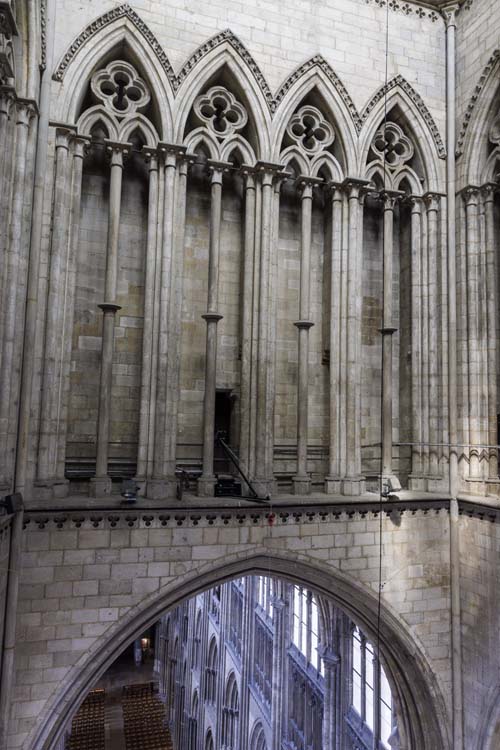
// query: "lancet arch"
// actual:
[[115, 41], [423, 715], [415, 120], [315, 86], [224, 65], [478, 161]]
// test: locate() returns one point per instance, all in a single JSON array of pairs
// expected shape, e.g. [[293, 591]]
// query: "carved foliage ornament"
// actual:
[[394, 144], [220, 112], [310, 131], [120, 89]]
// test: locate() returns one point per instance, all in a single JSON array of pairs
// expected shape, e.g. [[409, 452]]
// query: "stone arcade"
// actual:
[[244, 219]]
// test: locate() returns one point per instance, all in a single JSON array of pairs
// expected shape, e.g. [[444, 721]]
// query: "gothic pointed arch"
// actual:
[[418, 691], [405, 106], [489, 73], [473, 140], [113, 36], [223, 64], [335, 103]]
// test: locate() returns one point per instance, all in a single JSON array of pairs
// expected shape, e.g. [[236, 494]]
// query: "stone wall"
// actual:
[[91, 582], [480, 602]]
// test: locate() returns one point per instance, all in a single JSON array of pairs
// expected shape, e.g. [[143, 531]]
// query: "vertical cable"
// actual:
[[381, 484]]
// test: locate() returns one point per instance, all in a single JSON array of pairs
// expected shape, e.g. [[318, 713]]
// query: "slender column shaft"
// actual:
[[472, 221], [331, 662], [176, 297], [109, 309], [491, 297], [279, 661], [206, 483], [302, 484], [432, 207], [387, 332], [416, 337], [353, 483], [7, 98], [264, 444], [47, 456], [24, 113], [9, 638], [149, 302], [79, 145], [334, 471], [425, 323], [157, 486], [246, 334]]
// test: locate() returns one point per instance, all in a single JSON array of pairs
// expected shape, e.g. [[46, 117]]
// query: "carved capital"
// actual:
[[267, 172], [63, 137], [26, 111], [306, 184], [432, 201], [488, 192], [248, 174], [117, 152], [151, 157], [81, 145], [390, 198], [7, 99], [415, 202], [450, 14], [356, 189], [217, 169], [471, 195]]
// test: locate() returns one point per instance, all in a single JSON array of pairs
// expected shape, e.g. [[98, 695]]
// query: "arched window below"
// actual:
[[258, 741], [209, 741], [230, 714]]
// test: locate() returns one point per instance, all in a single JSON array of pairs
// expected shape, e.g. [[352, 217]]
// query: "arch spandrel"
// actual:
[[418, 122], [106, 44], [245, 87], [339, 114], [416, 687]]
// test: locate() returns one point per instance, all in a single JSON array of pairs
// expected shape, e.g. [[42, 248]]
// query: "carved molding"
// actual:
[[100, 23], [487, 71], [43, 34], [320, 62], [227, 36], [407, 8], [416, 100]]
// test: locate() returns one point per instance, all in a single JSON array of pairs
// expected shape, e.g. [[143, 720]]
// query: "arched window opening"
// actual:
[[197, 640], [258, 741], [305, 633], [209, 741], [193, 721], [371, 699], [211, 671], [230, 714]]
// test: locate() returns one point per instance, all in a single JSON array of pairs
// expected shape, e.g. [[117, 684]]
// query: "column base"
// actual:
[[158, 489], [417, 483], [50, 489], [333, 485], [264, 487], [206, 486], [100, 486], [301, 485], [353, 486]]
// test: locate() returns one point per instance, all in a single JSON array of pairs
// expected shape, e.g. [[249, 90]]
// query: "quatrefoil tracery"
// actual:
[[392, 146], [310, 131], [120, 89], [220, 112]]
